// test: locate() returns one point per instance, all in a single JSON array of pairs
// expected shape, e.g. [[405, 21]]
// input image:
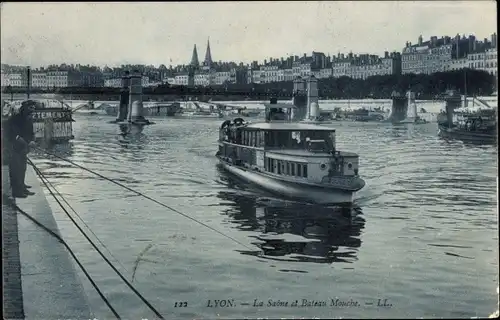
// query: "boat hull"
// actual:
[[317, 195], [200, 115], [467, 136]]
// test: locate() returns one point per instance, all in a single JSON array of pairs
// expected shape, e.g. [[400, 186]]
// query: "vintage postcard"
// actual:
[[249, 160]]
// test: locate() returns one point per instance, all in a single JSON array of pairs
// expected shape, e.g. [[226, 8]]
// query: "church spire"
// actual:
[[208, 55], [194, 58]]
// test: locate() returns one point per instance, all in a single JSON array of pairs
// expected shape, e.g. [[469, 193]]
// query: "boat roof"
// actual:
[[288, 126]]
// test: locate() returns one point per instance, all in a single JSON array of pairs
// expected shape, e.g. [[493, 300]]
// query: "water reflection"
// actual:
[[469, 143], [131, 130], [63, 149], [291, 231], [134, 146], [131, 136]]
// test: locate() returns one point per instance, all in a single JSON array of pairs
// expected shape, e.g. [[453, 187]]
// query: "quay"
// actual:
[[39, 276]]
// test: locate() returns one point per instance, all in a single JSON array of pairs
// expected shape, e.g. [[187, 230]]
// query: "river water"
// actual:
[[423, 233]]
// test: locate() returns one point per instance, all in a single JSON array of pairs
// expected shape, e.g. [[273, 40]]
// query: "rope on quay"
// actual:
[[43, 178], [147, 197], [96, 287], [76, 213]]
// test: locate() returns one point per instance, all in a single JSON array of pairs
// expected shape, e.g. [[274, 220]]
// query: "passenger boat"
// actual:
[[291, 159]]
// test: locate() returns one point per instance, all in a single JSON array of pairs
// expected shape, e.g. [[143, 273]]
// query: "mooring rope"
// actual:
[[96, 287], [42, 177], [147, 197], [76, 213]]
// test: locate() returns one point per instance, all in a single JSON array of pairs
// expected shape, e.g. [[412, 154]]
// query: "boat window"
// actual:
[[282, 167], [288, 168], [292, 168], [304, 171], [299, 169], [297, 139], [279, 167]]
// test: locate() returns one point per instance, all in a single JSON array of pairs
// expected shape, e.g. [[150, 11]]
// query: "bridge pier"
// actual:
[[124, 96], [399, 108], [136, 110]]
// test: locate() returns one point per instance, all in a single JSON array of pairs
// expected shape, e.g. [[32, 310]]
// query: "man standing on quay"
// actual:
[[21, 137]]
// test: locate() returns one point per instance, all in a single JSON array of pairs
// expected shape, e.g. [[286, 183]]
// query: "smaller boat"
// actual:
[[164, 109], [90, 109], [201, 114], [479, 128]]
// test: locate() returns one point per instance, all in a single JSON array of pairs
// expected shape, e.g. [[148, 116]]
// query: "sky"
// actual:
[[39, 34]]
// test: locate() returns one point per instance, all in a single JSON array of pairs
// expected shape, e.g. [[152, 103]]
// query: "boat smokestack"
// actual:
[[124, 98], [312, 97]]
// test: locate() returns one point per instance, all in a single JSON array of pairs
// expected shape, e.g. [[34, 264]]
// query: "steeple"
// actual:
[[194, 58], [208, 55]]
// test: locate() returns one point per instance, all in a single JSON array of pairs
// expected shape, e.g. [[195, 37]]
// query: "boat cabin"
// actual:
[[53, 121]]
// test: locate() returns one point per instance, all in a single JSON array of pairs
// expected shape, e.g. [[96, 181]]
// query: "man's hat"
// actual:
[[30, 105]]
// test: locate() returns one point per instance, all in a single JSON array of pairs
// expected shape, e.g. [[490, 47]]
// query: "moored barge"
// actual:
[[52, 120]]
